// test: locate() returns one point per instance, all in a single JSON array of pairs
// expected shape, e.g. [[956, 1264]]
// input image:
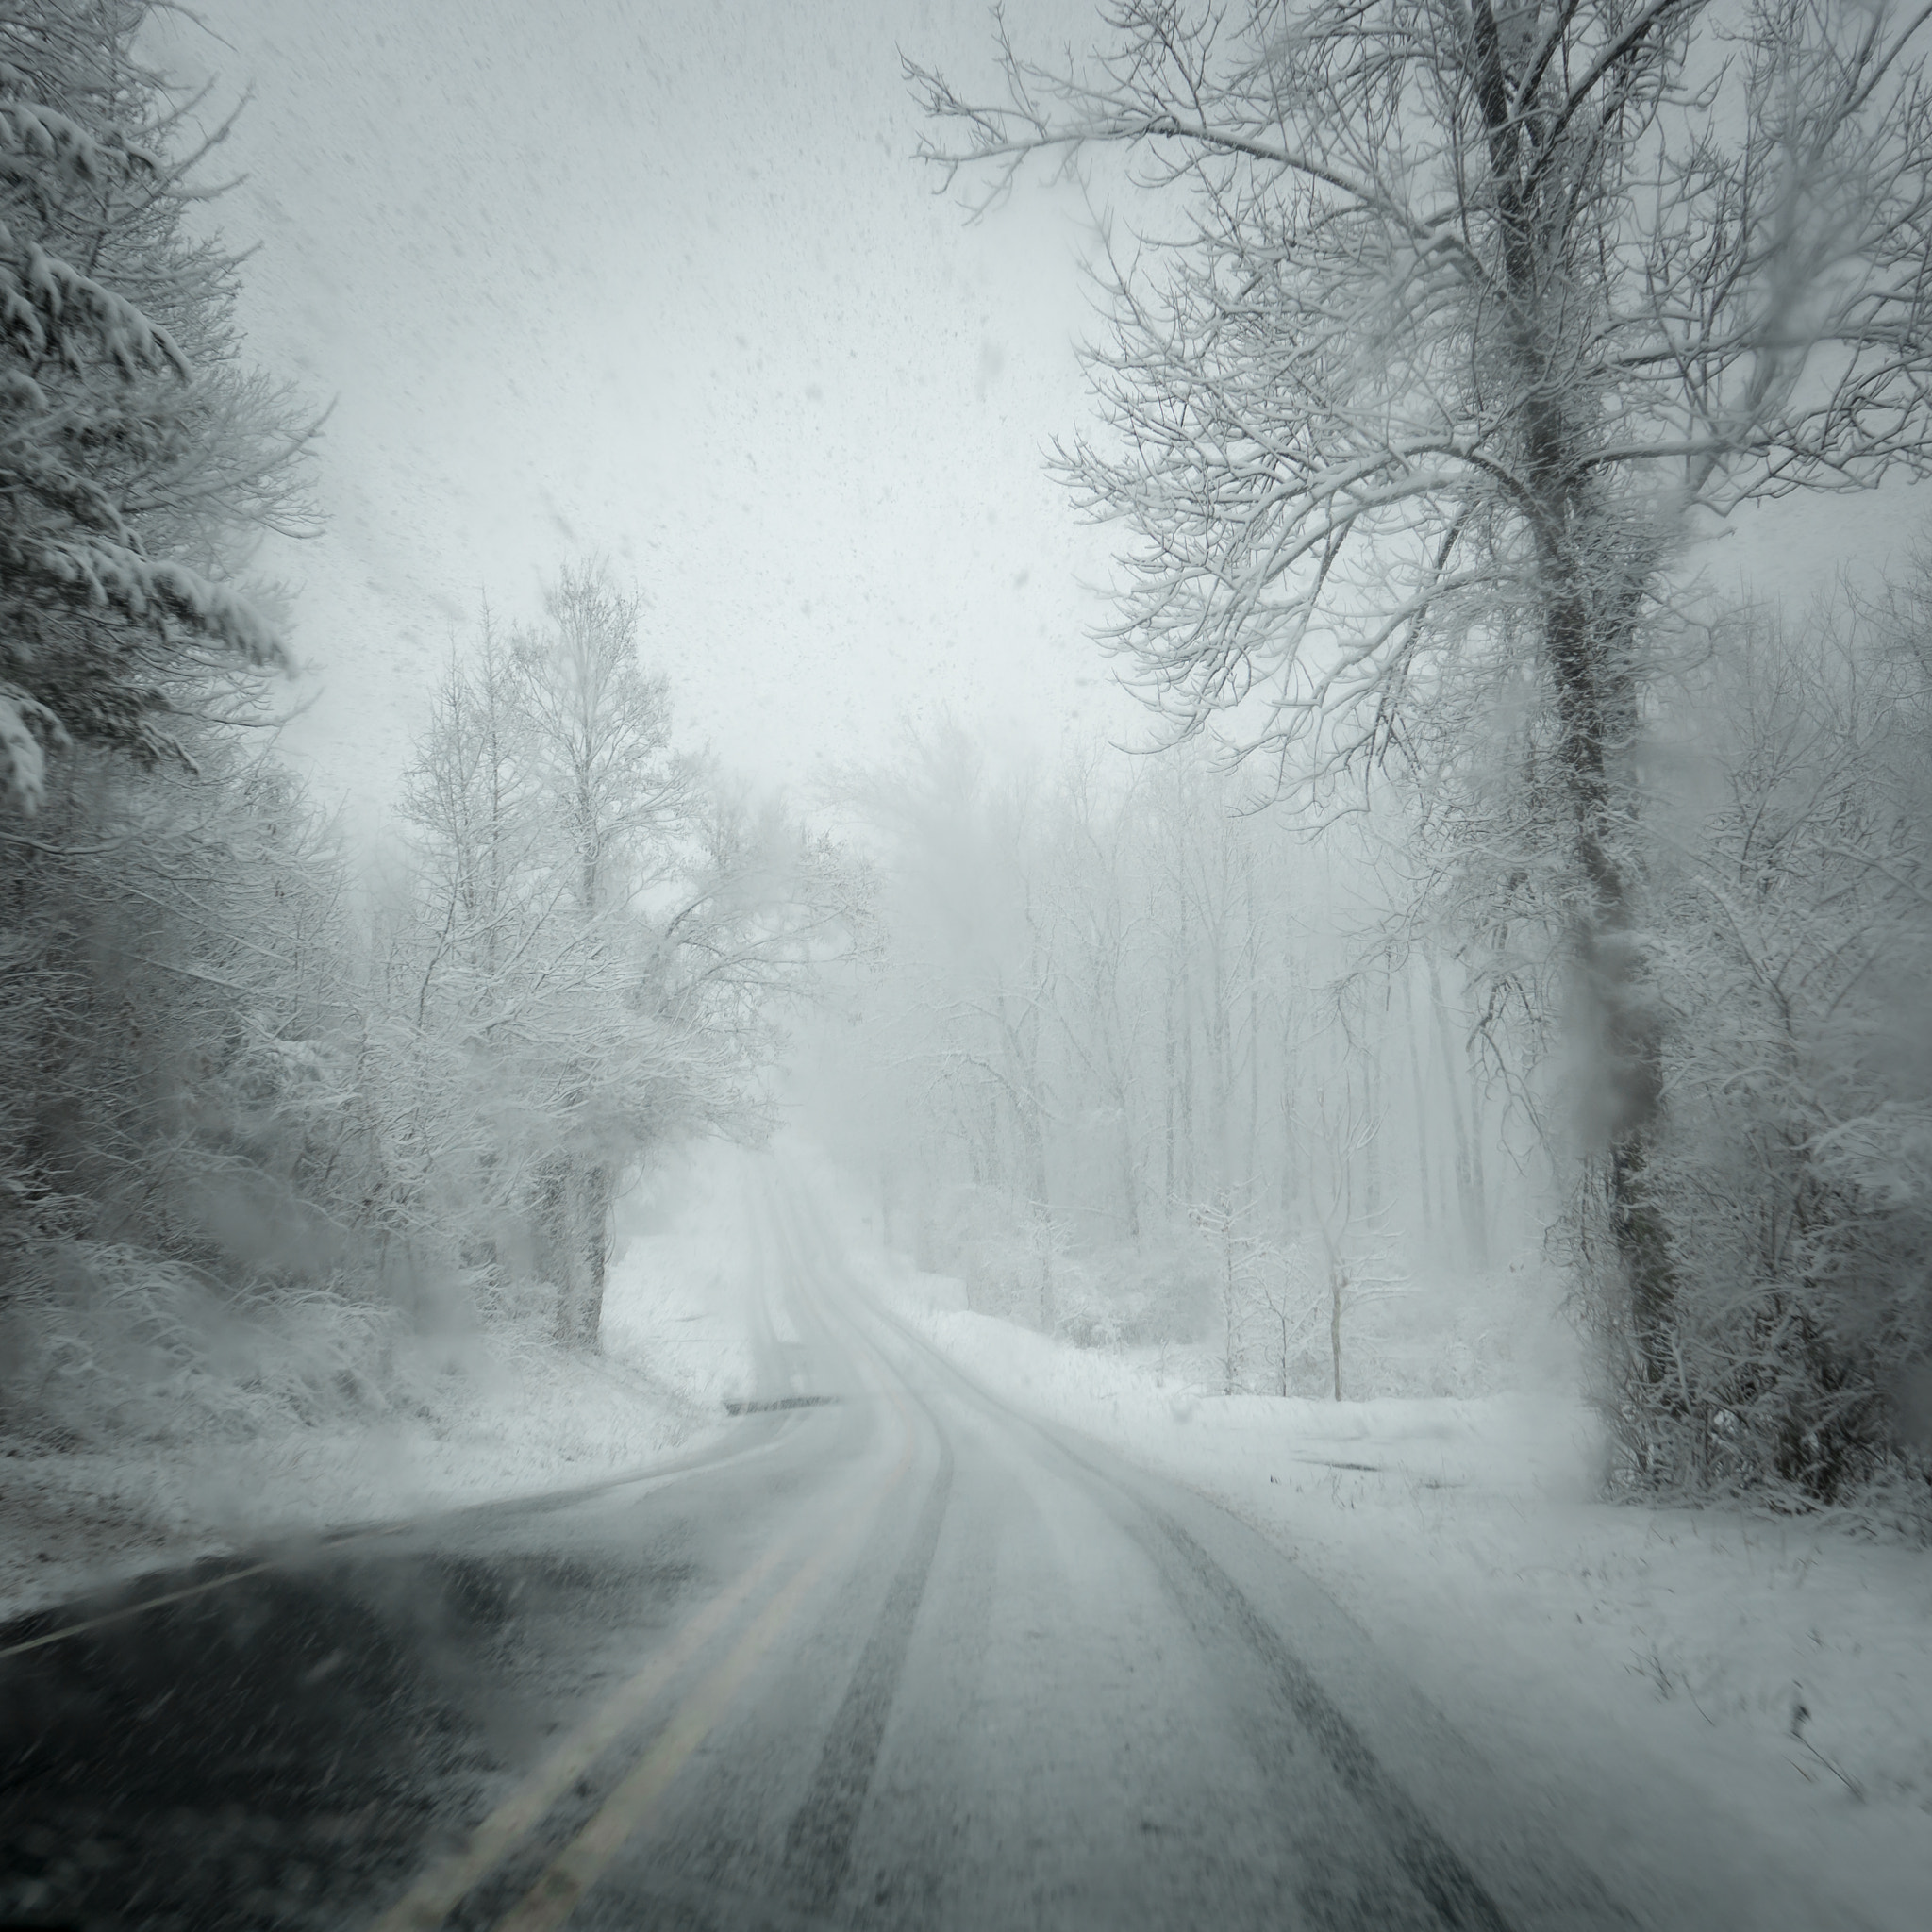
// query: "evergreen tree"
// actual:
[[137, 457]]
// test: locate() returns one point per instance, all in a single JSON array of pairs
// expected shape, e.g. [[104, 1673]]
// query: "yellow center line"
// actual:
[[332, 1540], [628, 1808], [430, 1900], [149, 1603]]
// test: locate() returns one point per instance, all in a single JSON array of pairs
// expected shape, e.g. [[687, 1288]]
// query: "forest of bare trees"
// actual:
[[1148, 1067], [1436, 340]]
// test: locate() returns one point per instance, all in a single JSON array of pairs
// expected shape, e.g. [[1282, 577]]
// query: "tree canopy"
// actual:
[[1461, 316]]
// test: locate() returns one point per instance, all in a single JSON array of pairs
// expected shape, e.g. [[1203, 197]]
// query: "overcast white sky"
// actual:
[[661, 279]]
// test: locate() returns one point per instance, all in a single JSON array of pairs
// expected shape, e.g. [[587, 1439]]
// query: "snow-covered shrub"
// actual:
[[1104, 1293], [181, 1177], [1114, 1295], [105, 1342], [1792, 955]]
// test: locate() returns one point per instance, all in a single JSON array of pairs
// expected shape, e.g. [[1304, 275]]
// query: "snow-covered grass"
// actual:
[[317, 1417], [1783, 1666]]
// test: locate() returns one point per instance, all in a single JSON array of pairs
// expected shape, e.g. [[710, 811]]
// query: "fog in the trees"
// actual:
[[965, 969]]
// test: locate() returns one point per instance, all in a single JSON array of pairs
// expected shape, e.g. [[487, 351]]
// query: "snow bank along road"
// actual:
[[890, 1655]]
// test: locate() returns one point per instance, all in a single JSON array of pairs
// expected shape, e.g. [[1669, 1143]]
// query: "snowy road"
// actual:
[[892, 1656]]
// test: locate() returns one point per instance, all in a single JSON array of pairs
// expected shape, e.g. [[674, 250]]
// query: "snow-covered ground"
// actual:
[[458, 1420], [1785, 1668]]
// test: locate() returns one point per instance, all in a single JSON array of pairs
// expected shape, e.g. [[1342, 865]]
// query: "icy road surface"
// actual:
[[890, 1654]]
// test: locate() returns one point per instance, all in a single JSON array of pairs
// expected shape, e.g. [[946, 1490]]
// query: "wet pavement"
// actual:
[[888, 1654]]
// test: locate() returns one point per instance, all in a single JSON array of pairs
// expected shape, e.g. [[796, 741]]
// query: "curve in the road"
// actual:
[[898, 1654]]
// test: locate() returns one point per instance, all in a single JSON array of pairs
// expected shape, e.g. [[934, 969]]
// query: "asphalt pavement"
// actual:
[[888, 1654]]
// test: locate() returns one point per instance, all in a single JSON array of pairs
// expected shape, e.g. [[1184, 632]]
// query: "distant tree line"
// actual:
[[1142, 1065]]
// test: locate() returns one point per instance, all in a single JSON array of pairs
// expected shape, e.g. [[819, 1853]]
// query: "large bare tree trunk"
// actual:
[[1622, 1102], [1588, 595]]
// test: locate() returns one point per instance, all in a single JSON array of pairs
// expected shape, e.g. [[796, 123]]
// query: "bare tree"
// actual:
[[473, 799], [599, 735], [1792, 914], [603, 931], [1347, 1132], [599, 726], [1287, 1295], [1472, 317], [1094, 997], [1223, 1221], [546, 803]]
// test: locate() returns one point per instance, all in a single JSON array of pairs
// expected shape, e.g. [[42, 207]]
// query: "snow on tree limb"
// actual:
[[129, 474]]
